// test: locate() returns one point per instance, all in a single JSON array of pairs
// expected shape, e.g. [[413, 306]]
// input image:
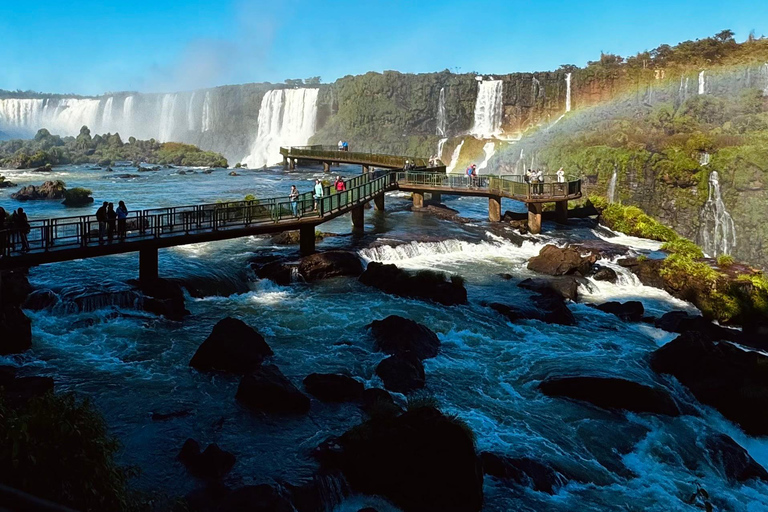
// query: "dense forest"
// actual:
[[47, 148]]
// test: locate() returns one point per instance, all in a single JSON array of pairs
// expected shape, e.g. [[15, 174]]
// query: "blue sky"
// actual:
[[90, 47]]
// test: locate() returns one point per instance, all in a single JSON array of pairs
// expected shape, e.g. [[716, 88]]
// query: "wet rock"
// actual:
[[378, 402], [559, 261], [735, 461], [278, 272], [612, 393], [324, 265], [324, 491], [549, 308], [16, 330], [398, 335], [420, 461], [719, 374], [268, 390], [213, 463], [233, 346], [402, 373], [121, 176], [630, 311], [256, 498], [233, 173], [41, 299], [48, 190], [15, 288], [441, 211], [523, 471], [425, 284], [4, 183], [163, 298], [648, 271], [565, 286], [43, 168], [605, 274], [506, 276], [330, 387], [680, 322]]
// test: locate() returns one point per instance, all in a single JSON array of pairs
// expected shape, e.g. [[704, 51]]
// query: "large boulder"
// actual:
[[630, 311], [278, 272], [268, 390], [680, 322], [648, 271], [324, 265], [559, 261], [233, 346], [16, 330], [549, 307], [420, 460], [565, 286], [424, 284], [48, 190], [735, 461], [612, 393], [732, 380], [402, 373], [378, 402], [331, 387], [523, 471], [605, 274], [398, 335], [163, 297], [41, 299], [213, 463]]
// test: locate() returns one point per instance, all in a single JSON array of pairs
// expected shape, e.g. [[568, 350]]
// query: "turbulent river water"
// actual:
[[133, 364]]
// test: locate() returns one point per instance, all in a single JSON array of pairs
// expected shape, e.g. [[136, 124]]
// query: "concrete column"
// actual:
[[326, 166], [358, 218], [285, 162], [561, 212], [148, 265], [534, 217], [418, 199], [307, 240], [293, 163], [378, 202], [494, 208], [436, 197]]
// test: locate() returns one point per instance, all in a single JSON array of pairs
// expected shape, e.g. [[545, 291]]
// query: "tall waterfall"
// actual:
[[441, 123], [205, 121], [488, 109], [440, 146], [167, 113], [489, 149], [717, 233], [191, 118], [568, 92], [612, 187], [287, 117], [683, 92], [106, 115], [702, 83], [454, 158]]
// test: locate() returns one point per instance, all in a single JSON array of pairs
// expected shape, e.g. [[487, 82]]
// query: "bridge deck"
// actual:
[[332, 154]]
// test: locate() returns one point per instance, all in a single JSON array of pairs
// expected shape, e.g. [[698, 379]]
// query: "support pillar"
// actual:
[[436, 197], [494, 208], [358, 218], [293, 163], [326, 167], [285, 162], [148, 266], [561, 212], [534, 218], [366, 169], [418, 199], [378, 202], [307, 240]]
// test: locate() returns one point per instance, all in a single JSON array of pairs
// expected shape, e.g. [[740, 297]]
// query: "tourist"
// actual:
[[111, 221], [341, 145], [122, 216], [22, 228], [101, 218], [560, 175], [528, 175], [345, 146], [340, 185], [318, 195], [294, 198], [540, 181]]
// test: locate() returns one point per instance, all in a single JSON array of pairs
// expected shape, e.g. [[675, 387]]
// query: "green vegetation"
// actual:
[[57, 448], [725, 261], [632, 221], [77, 197], [47, 149]]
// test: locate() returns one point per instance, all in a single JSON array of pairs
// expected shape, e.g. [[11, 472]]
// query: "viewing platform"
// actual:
[[329, 155]]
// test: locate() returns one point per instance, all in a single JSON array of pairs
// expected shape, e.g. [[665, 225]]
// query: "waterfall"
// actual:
[[106, 115], [717, 233], [488, 109], [440, 146], [205, 121], [441, 113], [536, 85], [489, 149], [704, 158], [612, 187], [454, 158], [287, 117], [683, 92], [128, 113], [568, 92], [191, 120], [167, 112], [702, 83]]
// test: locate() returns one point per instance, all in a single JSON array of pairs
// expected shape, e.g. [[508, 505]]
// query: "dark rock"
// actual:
[[207, 498], [736, 463], [680, 322], [325, 491], [367, 509], [233, 346], [630, 311], [268, 390], [402, 373], [523, 471], [8, 373], [398, 335], [425, 284], [278, 272], [5, 183], [648, 271], [16, 330], [559, 261], [565, 286], [48, 190], [212, 464], [233, 173], [330, 387], [164, 298], [612, 393], [506, 276], [378, 402], [605, 274], [43, 168], [15, 288], [420, 460], [256, 498], [324, 265], [41, 299], [732, 380], [550, 308]]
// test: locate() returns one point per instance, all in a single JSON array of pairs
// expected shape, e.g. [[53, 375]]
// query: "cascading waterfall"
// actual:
[[205, 121], [612, 186], [704, 158], [536, 85], [488, 109], [287, 117], [717, 233], [489, 149], [191, 120], [441, 124], [167, 112], [702, 83], [568, 92], [454, 158], [106, 116], [683, 92], [440, 146]]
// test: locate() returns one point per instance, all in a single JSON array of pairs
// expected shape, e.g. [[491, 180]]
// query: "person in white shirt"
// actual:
[[560, 175], [341, 145]]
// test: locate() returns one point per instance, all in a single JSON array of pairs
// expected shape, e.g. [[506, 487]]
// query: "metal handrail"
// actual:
[[332, 154]]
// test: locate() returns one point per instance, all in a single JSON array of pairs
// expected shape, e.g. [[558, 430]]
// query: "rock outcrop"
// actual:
[[324, 265], [560, 261], [735, 461], [630, 311], [549, 307], [268, 390], [164, 298], [424, 284], [331, 387], [402, 373], [212, 463], [233, 346], [48, 190], [523, 471], [397, 335]]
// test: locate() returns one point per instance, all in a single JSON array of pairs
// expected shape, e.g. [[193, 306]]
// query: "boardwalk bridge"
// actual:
[[69, 238]]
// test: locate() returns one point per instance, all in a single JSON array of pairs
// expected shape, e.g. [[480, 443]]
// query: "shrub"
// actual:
[[725, 261], [77, 197], [684, 247]]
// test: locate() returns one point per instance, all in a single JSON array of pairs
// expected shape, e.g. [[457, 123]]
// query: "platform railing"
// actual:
[[508, 185], [332, 154]]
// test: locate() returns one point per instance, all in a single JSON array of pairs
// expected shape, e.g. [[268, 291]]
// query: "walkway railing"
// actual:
[[332, 154], [512, 186]]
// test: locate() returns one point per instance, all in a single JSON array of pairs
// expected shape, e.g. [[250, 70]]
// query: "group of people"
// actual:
[[536, 179], [434, 161], [318, 192], [409, 165], [14, 228], [112, 221], [343, 145]]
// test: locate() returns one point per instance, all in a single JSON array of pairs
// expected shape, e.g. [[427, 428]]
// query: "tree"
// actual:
[[725, 36], [315, 80]]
